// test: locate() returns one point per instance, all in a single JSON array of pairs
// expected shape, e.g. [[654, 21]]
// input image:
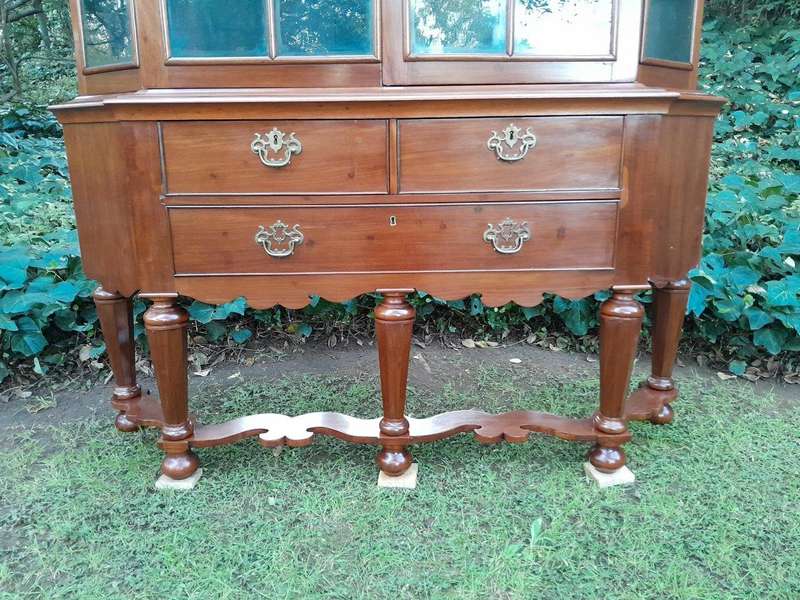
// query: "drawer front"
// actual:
[[507, 154], [276, 157], [394, 239]]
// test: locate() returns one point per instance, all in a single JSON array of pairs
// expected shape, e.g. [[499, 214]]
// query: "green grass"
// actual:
[[714, 513]]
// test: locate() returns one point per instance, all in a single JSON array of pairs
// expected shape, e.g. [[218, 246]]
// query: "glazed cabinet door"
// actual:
[[510, 41]]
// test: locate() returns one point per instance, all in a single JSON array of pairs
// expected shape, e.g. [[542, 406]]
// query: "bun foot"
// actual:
[[607, 460], [124, 424], [180, 466], [663, 417], [393, 461]]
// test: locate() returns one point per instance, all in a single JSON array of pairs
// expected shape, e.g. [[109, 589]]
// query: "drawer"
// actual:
[[276, 157], [507, 154], [394, 239]]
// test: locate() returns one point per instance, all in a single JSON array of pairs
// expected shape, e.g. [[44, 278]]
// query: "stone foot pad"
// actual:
[[407, 480], [168, 483], [623, 476]]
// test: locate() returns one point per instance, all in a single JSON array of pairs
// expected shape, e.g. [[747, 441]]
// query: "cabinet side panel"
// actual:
[[150, 222], [683, 173], [102, 207], [665, 180]]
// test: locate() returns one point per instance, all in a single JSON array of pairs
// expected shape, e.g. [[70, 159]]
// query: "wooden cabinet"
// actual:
[[505, 148]]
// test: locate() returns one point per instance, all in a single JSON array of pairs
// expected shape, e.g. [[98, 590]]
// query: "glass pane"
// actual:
[[563, 27], [107, 36], [670, 30], [324, 28], [210, 28], [458, 26]]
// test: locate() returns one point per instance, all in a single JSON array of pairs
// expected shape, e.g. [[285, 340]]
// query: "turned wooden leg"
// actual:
[[394, 325], [670, 309], [116, 321], [166, 325], [620, 326]]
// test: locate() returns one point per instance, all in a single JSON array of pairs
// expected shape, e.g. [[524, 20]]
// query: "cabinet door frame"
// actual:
[[694, 57], [272, 56], [158, 71], [671, 74], [401, 67], [80, 42]]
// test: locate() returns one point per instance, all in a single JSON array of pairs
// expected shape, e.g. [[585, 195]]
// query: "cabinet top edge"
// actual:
[[383, 94]]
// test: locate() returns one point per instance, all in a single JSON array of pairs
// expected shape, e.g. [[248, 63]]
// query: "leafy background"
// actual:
[[744, 307]]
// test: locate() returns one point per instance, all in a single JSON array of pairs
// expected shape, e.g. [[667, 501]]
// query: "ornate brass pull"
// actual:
[[279, 240], [505, 143], [272, 143], [508, 237]]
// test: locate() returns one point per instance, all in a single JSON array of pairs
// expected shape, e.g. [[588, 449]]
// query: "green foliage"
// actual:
[[44, 296], [747, 293], [744, 304], [752, 11]]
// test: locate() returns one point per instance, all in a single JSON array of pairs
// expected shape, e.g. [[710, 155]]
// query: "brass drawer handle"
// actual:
[[279, 240], [508, 237], [274, 142], [505, 143]]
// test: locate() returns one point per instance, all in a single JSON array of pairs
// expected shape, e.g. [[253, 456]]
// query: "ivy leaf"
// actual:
[[237, 307], [240, 336], [16, 302], [532, 312], [65, 292], [42, 284], [576, 314], [7, 324], [475, 306], [201, 312], [757, 318], [771, 339], [351, 306], [789, 320], [27, 173], [742, 277], [697, 300], [791, 242], [738, 367], [12, 278], [215, 331], [28, 341], [783, 292]]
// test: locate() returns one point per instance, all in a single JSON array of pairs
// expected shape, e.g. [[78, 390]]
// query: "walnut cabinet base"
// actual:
[[166, 323], [280, 178]]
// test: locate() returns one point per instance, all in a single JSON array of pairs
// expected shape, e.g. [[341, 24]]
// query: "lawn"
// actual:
[[714, 512]]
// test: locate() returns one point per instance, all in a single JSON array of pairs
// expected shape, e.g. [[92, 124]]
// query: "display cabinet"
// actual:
[[287, 149]]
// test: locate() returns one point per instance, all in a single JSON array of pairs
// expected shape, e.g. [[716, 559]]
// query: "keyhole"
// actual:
[[392, 221]]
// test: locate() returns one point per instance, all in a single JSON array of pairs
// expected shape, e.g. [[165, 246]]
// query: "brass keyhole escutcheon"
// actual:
[[512, 144], [392, 221], [269, 146]]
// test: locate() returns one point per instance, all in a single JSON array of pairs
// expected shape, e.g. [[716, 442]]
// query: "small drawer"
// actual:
[[510, 154], [276, 157], [394, 239]]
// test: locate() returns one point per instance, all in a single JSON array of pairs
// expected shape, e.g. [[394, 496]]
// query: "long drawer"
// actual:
[[276, 157], [510, 154], [387, 239]]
